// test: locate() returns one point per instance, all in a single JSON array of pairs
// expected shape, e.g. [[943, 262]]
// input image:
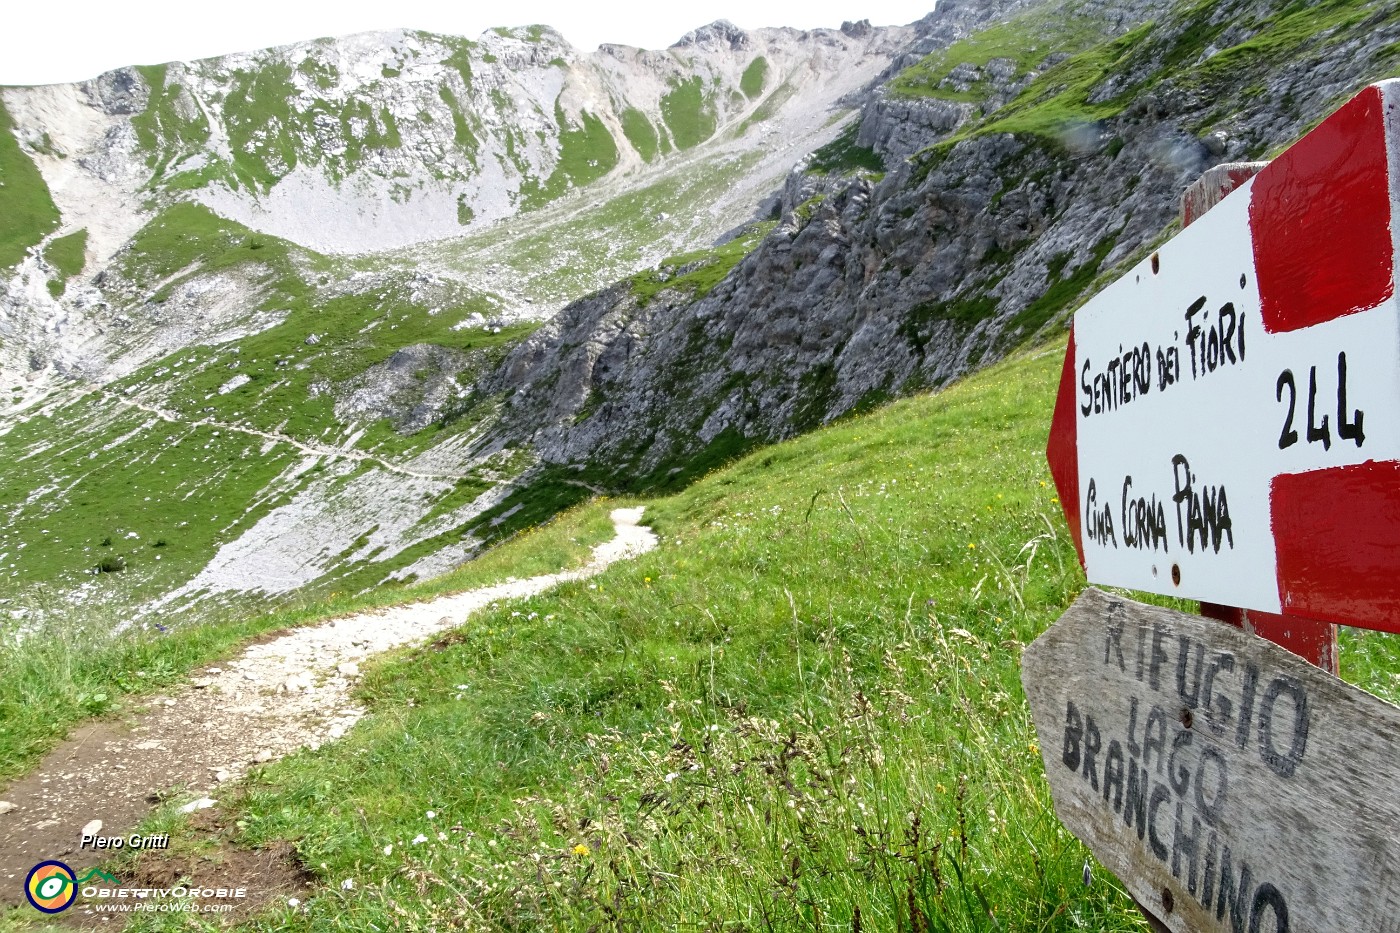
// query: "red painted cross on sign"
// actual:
[[1228, 423]]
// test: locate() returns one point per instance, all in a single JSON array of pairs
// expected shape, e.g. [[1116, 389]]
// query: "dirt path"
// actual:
[[314, 449], [276, 697]]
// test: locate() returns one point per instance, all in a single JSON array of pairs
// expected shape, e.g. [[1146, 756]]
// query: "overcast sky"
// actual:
[[47, 41]]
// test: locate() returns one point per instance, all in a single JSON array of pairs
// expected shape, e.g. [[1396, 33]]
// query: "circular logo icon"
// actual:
[[51, 887]]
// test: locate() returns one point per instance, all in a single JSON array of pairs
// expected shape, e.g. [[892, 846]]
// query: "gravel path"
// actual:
[[312, 448], [277, 696]]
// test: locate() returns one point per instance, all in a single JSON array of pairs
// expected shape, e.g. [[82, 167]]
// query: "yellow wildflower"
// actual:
[[581, 850]]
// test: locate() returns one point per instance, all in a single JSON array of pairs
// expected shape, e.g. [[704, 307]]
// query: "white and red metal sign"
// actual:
[[1228, 424]]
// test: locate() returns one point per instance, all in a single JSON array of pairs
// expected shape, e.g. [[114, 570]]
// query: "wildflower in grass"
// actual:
[[420, 838], [432, 814], [348, 884], [581, 850], [971, 546], [389, 849]]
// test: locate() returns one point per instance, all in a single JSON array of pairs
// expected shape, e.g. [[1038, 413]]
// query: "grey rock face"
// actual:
[[122, 92], [721, 34], [412, 387], [899, 127]]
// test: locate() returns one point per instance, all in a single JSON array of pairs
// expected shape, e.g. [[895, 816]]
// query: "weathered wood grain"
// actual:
[[1231, 785]]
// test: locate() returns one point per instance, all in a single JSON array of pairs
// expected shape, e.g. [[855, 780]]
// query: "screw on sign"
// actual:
[[1228, 423], [1228, 430]]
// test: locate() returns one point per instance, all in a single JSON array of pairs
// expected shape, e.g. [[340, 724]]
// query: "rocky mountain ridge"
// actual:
[[379, 140]]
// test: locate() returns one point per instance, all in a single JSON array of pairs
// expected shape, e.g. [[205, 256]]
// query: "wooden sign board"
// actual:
[[1228, 425], [1229, 784]]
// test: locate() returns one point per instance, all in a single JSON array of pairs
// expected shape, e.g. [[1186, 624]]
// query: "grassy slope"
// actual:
[[68, 256], [704, 268], [27, 212], [1026, 40], [1176, 50], [804, 705]]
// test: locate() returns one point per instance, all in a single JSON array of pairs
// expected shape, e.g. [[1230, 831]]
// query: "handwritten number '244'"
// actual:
[[1346, 430]]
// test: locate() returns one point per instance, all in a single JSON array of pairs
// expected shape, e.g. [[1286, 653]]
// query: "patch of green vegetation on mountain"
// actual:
[[843, 155], [67, 254], [640, 133], [25, 203], [261, 124], [586, 153], [1298, 30], [755, 75], [561, 256], [532, 33], [1062, 290], [461, 132], [1025, 41], [126, 502], [1181, 50], [286, 384], [188, 237], [323, 74], [700, 271], [460, 60], [172, 125], [269, 137], [768, 108], [686, 111]]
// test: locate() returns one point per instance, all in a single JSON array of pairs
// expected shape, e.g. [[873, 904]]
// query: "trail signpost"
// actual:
[[1228, 430], [1228, 424]]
